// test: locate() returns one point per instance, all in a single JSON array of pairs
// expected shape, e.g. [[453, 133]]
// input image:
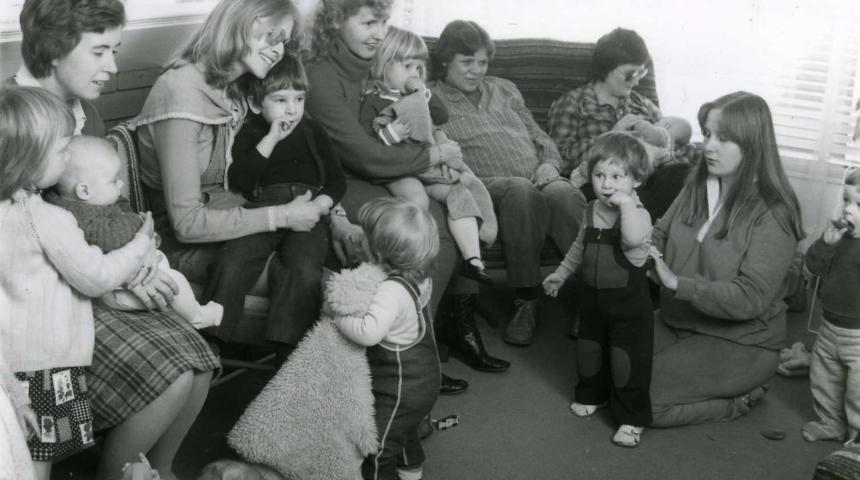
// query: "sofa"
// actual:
[[542, 69]]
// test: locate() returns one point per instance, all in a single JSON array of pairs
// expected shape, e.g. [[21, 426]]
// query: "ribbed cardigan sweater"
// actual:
[[47, 275]]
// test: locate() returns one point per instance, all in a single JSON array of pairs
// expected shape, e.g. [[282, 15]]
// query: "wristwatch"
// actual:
[[340, 212]]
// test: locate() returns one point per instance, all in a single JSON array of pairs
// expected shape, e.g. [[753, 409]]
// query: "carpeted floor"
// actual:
[[516, 425]]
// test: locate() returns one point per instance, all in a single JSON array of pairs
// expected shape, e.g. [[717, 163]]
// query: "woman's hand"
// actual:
[[302, 213], [28, 420], [158, 293], [544, 174], [665, 275], [451, 155], [626, 123], [348, 241]]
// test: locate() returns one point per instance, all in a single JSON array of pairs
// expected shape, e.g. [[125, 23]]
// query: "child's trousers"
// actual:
[[405, 386], [613, 351], [834, 380]]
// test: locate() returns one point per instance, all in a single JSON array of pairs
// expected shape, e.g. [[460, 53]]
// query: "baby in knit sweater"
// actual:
[[836, 354], [89, 189]]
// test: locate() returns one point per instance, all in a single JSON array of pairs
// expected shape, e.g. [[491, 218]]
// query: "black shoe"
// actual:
[[464, 338], [452, 386], [479, 273]]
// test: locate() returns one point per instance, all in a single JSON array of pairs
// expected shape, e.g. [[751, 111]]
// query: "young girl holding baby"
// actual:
[[48, 274], [398, 331], [398, 107]]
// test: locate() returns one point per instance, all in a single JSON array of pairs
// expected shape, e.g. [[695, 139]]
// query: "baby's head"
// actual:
[[679, 129], [237, 470], [92, 174], [402, 236], [617, 162], [282, 92], [400, 60]]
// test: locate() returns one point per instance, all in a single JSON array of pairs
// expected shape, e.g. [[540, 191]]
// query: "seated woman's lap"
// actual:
[[695, 376], [359, 192], [137, 356]]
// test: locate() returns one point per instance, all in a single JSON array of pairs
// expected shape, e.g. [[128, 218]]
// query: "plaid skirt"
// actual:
[[137, 355]]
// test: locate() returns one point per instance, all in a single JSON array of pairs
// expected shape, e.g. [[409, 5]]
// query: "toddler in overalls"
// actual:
[[616, 322], [398, 331]]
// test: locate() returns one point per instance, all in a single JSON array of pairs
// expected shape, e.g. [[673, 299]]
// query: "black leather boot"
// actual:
[[464, 339]]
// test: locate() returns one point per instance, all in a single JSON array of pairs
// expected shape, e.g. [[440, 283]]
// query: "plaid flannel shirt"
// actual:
[[577, 118], [499, 137]]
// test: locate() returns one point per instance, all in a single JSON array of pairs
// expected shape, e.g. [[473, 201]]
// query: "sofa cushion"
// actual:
[[544, 70]]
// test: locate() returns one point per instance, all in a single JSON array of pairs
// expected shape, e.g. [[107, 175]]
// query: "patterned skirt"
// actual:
[[61, 401], [137, 355]]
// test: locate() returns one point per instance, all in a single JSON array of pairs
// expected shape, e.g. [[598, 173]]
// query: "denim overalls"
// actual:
[[616, 331], [405, 386]]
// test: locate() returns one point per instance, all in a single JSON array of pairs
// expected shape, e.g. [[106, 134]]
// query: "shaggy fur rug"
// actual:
[[314, 420]]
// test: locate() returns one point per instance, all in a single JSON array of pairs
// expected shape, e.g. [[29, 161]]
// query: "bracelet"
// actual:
[[340, 212]]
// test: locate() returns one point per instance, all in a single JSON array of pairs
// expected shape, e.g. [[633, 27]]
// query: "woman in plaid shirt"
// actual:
[[608, 102]]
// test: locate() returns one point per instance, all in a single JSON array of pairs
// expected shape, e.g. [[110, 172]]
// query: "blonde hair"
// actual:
[[222, 40], [330, 17], [32, 120], [88, 155], [397, 46], [402, 236]]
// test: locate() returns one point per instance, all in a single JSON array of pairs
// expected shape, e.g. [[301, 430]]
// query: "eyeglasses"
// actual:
[[634, 75], [274, 37]]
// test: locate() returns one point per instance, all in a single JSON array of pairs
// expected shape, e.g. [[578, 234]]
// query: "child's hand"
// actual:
[[281, 127], [413, 85], [401, 128], [834, 231], [620, 198], [325, 203], [141, 470], [552, 283], [28, 420]]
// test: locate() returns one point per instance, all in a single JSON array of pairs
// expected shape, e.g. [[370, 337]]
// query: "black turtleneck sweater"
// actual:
[[305, 156]]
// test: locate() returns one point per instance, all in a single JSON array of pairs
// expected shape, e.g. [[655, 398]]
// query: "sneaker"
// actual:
[[627, 436], [583, 410]]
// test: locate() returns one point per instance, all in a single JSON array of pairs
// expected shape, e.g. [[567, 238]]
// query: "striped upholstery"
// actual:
[[545, 69], [843, 464]]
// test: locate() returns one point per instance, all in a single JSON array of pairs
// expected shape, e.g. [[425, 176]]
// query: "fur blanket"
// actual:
[[314, 420]]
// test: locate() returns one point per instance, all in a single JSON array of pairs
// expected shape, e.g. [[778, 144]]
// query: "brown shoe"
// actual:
[[521, 329]]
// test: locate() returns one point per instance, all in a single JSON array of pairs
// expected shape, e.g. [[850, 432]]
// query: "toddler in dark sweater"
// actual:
[[279, 156], [836, 354], [89, 189]]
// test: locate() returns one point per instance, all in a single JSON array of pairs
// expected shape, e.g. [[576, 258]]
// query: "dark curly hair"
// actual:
[[53, 28], [616, 48], [622, 149], [460, 36]]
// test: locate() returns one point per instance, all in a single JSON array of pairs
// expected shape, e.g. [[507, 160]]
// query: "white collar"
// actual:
[[24, 78], [712, 185]]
